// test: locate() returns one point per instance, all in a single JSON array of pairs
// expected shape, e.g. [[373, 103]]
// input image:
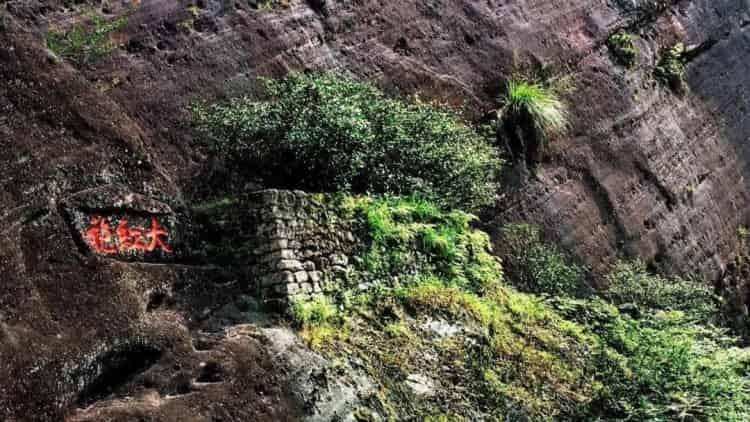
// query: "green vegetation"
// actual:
[[536, 267], [88, 40], [531, 114], [426, 262], [630, 283], [317, 311], [623, 48], [428, 297], [671, 68], [662, 366], [413, 237], [542, 103], [271, 4], [331, 133], [523, 356]]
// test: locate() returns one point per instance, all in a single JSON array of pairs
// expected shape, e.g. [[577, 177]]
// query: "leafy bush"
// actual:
[[534, 109], [533, 266], [632, 283], [331, 133], [661, 367], [623, 48], [681, 371], [87, 41]]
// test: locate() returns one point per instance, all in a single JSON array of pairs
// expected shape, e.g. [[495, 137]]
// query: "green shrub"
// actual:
[[632, 283], [661, 367], [87, 41], [533, 266], [680, 371], [623, 48], [671, 68], [535, 109], [331, 133]]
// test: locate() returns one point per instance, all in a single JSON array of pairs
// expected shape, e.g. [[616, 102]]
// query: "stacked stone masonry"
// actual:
[[300, 243]]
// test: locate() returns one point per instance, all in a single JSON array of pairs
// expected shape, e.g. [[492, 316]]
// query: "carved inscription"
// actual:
[[110, 238]]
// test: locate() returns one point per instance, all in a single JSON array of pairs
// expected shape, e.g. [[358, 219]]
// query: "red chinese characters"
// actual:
[[103, 238]]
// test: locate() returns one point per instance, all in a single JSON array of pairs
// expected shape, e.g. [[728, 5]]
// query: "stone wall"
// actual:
[[292, 244]]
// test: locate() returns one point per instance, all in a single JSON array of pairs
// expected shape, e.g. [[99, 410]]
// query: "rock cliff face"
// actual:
[[644, 173]]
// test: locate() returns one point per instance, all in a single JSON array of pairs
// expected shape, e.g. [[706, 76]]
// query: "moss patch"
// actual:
[[88, 40]]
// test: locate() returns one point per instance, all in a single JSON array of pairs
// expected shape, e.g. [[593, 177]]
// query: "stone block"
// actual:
[[279, 255], [277, 244], [277, 278], [287, 289], [301, 276], [340, 260], [289, 265], [315, 276]]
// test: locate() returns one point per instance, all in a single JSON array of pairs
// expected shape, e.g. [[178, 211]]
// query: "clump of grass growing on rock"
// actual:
[[315, 318], [532, 113], [623, 47], [317, 311], [332, 133]]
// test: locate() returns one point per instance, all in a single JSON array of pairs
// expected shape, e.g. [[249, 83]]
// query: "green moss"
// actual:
[[317, 311], [623, 47], [89, 40], [413, 237]]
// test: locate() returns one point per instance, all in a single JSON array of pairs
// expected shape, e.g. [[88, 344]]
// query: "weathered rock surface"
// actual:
[[86, 336]]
